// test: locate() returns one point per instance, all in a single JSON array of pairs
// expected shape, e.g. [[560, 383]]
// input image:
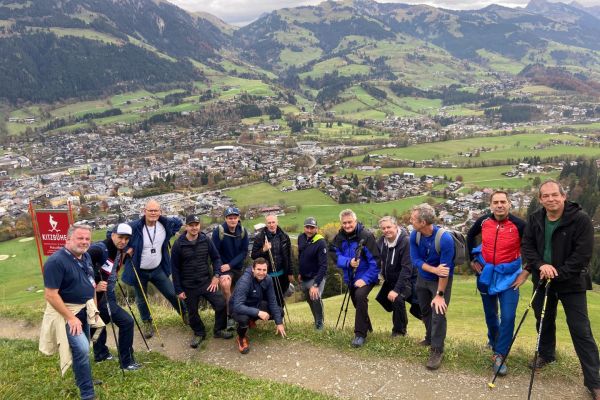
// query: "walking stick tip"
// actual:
[[491, 385]]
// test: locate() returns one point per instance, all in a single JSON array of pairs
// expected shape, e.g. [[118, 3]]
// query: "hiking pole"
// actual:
[[346, 309], [491, 384], [162, 344], [351, 271], [278, 284], [342, 307], [537, 345], [112, 324], [132, 314]]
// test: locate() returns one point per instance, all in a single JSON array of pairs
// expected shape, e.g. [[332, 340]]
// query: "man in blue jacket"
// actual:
[[312, 257], [253, 299], [358, 257], [231, 240], [434, 282], [149, 255]]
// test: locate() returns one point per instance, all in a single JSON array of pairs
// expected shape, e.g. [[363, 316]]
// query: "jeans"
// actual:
[[80, 348], [435, 324], [124, 322], [500, 330], [162, 283], [316, 306], [360, 300], [575, 306], [217, 302]]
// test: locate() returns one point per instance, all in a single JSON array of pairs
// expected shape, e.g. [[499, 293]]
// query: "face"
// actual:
[[500, 206], [259, 271], [416, 221], [389, 229], [152, 211], [120, 241], [79, 241], [271, 222], [232, 221], [193, 229], [310, 231], [551, 198], [348, 223]]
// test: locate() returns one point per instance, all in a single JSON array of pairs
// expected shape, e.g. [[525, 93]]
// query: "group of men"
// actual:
[[417, 268]]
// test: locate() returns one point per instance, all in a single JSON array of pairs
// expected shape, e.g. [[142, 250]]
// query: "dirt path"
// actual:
[[342, 374]]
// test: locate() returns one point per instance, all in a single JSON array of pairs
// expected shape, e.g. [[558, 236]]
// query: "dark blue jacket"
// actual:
[[345, 246], [233, 248], [172, 226], [312, 257], [249, 293]]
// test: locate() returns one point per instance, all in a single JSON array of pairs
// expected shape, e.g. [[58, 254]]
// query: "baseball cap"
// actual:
[[310, 221], [190, 219], [231, 211], [123, 229]]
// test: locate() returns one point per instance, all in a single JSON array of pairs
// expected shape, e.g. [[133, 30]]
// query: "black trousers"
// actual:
[[243, 319], [216, 300], [360, 300], [575, 306]]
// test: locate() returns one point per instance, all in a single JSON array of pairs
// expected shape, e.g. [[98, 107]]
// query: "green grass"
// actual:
[[86, 34], [27, 374]]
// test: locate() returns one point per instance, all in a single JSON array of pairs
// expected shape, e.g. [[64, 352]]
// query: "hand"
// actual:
[[313, 293], [354, 263], [439, 305], [442, 271], [101, 286], [182, 296], [476, 267], [359, 283], [214, 285], [280, 330], [521, 279], [547, 271], [225, 268], [291, 279], [264, 315], [392, 295], [267, 246], [74, 326], [129, 252]]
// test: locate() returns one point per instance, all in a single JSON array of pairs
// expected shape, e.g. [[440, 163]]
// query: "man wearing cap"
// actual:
[[312, 259], [149, 260], [273, 244], [107, 260], [231, 240], [194, 278]]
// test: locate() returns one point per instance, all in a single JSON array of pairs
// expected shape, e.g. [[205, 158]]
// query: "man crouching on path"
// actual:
[[253, 299]]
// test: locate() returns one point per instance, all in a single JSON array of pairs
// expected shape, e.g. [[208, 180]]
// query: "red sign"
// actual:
[[52, 227]]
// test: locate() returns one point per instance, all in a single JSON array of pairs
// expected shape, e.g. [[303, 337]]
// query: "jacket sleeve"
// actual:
[[371, 275], [215, 258], [322, 260], [472, 235], [238, 261], [175, 265], [259, 241], [342, 261], [415, 254], [581, 253], [240, 294], [176, 225], [403, 285], [529, 248], [271, 299]]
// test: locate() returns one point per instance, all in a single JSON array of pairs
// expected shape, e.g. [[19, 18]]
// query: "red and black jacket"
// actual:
[[500, 240]]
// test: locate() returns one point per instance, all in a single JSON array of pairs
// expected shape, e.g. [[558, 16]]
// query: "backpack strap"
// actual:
[[438, 239]]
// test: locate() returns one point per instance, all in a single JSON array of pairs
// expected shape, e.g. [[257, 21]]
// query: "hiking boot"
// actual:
[[425, 343], [251, 324], [107, 357], [243, 345], [539, 363], [358, 341], [148, 329], [319, 326], [133, 367], [196, 340], [499, 367], [223, 334], [435, 359], [230, 324], [97, 382]]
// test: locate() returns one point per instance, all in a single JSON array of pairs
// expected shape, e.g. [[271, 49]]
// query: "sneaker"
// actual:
[[499, 367], [223, 335], [358, 341], [435, 359], [196, 340], [251, 324], [133, 367], [539, 363], [230, 324], [425, 343], [243, 345], [97, 382], [148, 329], [108, 357]]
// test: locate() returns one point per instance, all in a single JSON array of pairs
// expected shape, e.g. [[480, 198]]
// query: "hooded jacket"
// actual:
[[312, 257], [344, 248], [396, 265]]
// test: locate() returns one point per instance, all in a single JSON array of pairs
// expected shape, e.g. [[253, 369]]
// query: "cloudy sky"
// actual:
[[240, 12]]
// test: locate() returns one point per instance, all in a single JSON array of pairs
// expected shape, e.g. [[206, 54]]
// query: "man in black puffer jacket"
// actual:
[[194, 278], [398, 274]]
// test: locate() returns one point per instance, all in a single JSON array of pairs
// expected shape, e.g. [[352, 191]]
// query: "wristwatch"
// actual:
[[440, 293], [315, 285]]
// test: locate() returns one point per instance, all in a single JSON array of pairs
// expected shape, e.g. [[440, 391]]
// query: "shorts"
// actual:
[[235, 274]]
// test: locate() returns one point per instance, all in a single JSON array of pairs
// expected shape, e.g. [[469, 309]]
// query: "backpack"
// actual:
[[460, 244], [222, 233]]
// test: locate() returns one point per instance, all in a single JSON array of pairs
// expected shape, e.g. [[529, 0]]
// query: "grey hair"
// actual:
[[561, 190], [347, 212], [388, 218], [77, 226], [426, 213]]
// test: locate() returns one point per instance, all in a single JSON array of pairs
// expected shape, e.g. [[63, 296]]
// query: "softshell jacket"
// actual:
[[234, 247], [248, 294], [396, 266], [190, 264], [281, 250], [345, 245], [312, 257], [572, 247], [171, 225]]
